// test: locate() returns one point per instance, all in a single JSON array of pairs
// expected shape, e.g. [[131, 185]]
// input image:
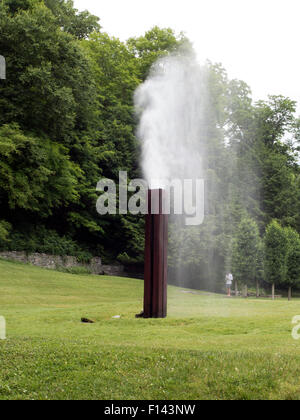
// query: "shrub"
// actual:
[[45, 241], [81, 271], [127, 260]]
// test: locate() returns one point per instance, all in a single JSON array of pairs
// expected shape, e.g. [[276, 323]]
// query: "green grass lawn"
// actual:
[[209, 347]]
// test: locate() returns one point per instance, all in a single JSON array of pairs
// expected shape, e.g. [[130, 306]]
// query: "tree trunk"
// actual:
[[236, 288], [290, 294], [257, 288], [273, 291], [246, 291]]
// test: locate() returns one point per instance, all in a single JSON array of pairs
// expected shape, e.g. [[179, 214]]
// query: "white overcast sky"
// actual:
[[255, 40]]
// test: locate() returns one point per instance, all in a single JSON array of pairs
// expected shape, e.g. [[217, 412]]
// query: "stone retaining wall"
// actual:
[[55, 261]]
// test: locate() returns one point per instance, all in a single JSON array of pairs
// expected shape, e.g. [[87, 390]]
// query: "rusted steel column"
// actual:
[[156, 257]]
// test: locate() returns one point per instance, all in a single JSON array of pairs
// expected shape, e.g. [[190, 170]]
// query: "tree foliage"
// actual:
[[35, 174], [245, 255], [275, 254], [155, 44], [67, 119], [293, 258]]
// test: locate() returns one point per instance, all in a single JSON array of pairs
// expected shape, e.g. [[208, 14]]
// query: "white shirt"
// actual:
[[229, 279]]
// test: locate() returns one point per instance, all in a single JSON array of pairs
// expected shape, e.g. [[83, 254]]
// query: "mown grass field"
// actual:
[[209, 347]]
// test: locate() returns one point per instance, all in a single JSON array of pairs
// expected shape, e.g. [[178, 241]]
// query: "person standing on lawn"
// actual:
[[229, 280]]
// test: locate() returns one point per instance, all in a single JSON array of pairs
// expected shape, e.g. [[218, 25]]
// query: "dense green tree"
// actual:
[[116, 79], [78, 24], [274, 118], [245, 252], [51, 161], [277, 167], [155, 44], [69, 19], [35, 174], [15, 6], [293, 260], [275, 251], [4, 231], [75, 100], [49, 87], [259, 274]]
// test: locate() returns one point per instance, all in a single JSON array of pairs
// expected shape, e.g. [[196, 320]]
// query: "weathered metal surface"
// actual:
[[156, 254]]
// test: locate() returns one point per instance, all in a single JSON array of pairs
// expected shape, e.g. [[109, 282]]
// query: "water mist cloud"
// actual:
[[171, 105]]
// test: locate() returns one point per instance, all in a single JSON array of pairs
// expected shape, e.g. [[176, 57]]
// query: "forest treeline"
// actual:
[[67, 120]]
